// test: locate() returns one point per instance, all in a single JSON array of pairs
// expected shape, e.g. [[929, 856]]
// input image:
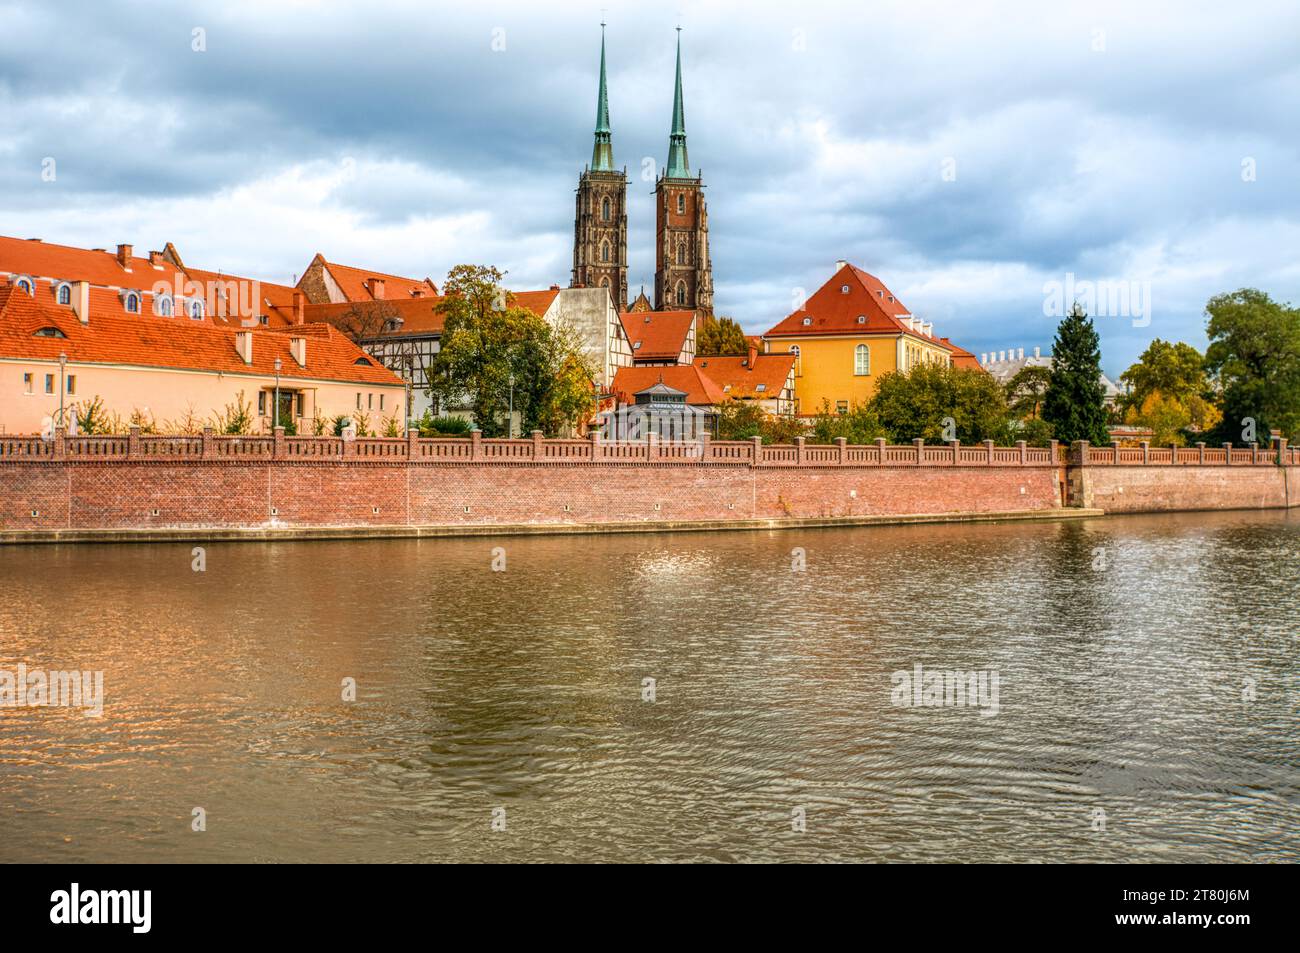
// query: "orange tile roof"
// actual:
[[420, 315], [355, 283], [833, 310], [962, 358], [657, 335], [112, 337], [699, 388], [739, 381]]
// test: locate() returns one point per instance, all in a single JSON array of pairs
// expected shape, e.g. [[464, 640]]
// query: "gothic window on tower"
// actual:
[[604, 209], [681, 292], [604, 251], [681, 204], [681, 253]]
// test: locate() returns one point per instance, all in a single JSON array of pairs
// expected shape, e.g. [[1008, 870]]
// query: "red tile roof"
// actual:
[[699, 388], [836, 306], [657, 335], [112, 337], [739, 381], [420, 315], [356, 283], [962, 358]]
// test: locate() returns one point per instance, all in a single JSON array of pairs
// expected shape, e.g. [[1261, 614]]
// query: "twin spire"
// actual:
[[602, 153]]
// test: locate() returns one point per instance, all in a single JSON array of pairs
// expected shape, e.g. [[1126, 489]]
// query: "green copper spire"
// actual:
[[602, 153], [678, 165]]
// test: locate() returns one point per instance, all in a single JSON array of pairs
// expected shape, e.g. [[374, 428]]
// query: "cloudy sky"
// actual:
[[967, 154]]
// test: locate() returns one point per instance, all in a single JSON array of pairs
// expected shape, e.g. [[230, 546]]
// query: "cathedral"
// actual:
[[683, 269]]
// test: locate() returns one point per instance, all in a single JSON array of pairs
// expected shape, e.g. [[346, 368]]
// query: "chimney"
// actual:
[[1020, 354], [299, 306], [244, 345], [984, 357], [377, 288], [929, 326], [81, 301], [156, 259], [840, 264], [298, 350], [1002, 356], [124, 256], [1036, 354], [753, 355]]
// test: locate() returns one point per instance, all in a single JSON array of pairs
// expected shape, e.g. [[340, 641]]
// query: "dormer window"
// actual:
[[63, 293], [807, 322], [131, 302], [163, 306], [362, 361], [49, 332], [862, 319], [844, 289], [26, 284], [196, 310], [760, 388]]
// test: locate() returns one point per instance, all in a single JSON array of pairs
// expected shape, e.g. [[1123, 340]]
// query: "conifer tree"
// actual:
[[1075, 400]]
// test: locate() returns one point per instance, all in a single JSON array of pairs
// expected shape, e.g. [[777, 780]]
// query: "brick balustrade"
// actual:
[[1145, 455]]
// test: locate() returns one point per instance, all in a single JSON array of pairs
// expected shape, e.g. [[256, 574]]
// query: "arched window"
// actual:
[[163, 306], [681, 204], [861, 360], [63, 293], [681, 253], [48, 332], [131, 301], [196, 309], [681, 292], [604, 282], [604, 251], [26, 284], [604, 209]]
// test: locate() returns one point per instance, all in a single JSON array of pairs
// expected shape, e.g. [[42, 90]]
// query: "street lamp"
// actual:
[[63, 363], [276, 412], [510, 419]]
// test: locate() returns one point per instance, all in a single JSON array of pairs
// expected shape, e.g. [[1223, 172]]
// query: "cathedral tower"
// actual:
[[683, 269], [600, 219]]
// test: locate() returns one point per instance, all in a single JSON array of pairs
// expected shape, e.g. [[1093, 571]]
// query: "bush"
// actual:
[[860, 425], [431, 426]]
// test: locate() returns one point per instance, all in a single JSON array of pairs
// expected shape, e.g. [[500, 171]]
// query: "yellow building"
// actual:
[[851, 331]]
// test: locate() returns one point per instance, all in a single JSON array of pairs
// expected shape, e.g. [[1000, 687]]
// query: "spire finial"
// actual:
[[602, 152], [679, 166]]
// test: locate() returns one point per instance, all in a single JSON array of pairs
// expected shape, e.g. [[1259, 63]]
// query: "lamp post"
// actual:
[[510, 418], [63, 363], [276, 412]]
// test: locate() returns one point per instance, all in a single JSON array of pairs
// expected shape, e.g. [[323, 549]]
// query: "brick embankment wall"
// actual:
[[142, 483]]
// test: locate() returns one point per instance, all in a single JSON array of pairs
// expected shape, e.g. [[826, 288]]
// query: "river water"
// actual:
[[1145, 669]]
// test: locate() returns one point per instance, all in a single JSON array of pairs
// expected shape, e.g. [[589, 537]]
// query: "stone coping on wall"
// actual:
[[1145, 455], [398, 531]]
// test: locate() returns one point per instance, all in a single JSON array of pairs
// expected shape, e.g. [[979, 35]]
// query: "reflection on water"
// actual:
[[1156, 692]]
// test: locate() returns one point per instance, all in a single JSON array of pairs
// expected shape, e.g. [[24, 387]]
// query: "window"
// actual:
[[807, 321], [163, 306], [72, 383], [681, 292], [358, 401], [63, 293], [862, 319], [261, 402], [760, 388], [681, 204], [48, 332], [49, 383], [681, 253], [365, 362], [844, 289], [131, 301], [604, 209], [841, 407], [26, 284], [196, 310], [370, 402], [604, 251], [861, 360], [27, 383]]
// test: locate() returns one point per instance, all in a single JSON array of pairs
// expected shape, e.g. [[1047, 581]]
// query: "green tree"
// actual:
[[1075, 400], [921, 402], [1025, 391], [858, 426], [1174, 370], [745, 419], [494, 354], [720, 337], [1255, 354]]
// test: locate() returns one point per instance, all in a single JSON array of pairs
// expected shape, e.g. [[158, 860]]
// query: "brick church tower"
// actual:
[[683, 269], [600, 220]]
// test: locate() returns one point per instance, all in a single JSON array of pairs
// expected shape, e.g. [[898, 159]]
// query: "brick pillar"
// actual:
[[798, 449], [1079, 452], [209, 444], [919, 445], [412, 443], [1281, 451], [1173, 453], [988, 446], [1114, 450], [880, 451], [594, 438], [955, 446], [756, 450], [1146, 452], [1052, 451], [652, 446], [133, 441], [538, 452], [705, 451], [1023, 448], [278, 450], [60, 441], [1254, 452], [841, 452], [1227, 453], [475, 444], [1200, 452]]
